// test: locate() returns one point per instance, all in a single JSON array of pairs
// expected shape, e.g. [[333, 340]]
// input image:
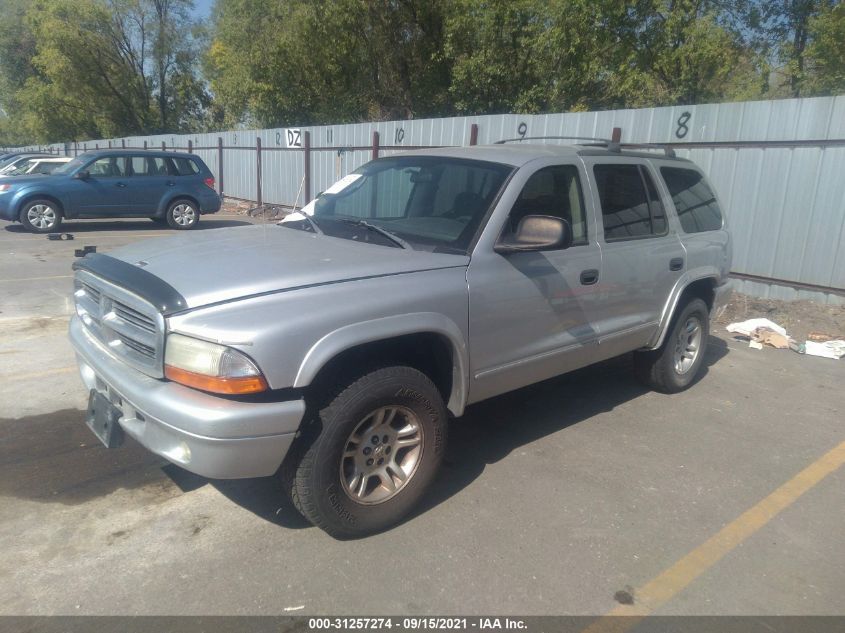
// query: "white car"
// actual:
[[34, 165]]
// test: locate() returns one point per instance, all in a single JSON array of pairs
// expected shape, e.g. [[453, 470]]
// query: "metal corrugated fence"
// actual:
[[778, 166]]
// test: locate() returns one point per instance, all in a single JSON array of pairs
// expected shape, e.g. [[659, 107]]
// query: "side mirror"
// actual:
[[82, 174], [537, 233]]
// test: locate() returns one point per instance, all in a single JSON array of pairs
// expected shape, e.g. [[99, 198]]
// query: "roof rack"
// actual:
[[667, 149], [612, 146]]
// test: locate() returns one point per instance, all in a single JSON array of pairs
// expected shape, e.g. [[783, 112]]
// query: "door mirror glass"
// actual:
[[537, 233]]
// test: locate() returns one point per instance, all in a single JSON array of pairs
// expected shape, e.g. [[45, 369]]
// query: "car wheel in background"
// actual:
[[182, 214], [674, 366], [366, 457], [41, 216]]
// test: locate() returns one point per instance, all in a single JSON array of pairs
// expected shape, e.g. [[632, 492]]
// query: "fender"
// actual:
[[34, 190], [706, 272], [350, 336], [166, 200]]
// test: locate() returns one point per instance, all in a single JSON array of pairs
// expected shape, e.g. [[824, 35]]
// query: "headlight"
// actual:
[[210, 367]]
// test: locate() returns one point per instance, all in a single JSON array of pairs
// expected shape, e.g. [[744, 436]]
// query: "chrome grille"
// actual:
[[127, 325]]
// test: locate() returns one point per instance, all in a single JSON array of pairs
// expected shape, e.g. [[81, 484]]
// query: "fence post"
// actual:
[[145, 145], [220, 165], [375, 145], [473, 134], [616, 135], [190, 146], [96, 146], [306, 176], [258, 168], [163, 147], [109, 144], [123, 143], [75, 149]]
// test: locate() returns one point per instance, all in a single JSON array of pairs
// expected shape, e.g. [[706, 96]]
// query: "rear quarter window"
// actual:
[[184, 166], [694, 201]]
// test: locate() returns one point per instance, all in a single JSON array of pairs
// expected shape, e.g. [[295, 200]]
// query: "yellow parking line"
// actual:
[[676, 578], [38, 278], [38, 374]]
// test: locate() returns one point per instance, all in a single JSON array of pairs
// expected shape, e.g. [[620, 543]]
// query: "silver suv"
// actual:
[[331, 349]]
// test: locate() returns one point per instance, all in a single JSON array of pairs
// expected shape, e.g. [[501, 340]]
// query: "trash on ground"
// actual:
[[82, 252], [755, 344], [772, 338], [746, 328], [828, 349], [821, 337], [59, 236]]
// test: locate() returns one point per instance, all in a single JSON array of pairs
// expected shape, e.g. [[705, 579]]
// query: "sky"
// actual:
[[202, 8]]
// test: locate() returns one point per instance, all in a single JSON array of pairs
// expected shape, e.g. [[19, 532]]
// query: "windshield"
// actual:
[[70, 166], [430, 202], [8, 159]]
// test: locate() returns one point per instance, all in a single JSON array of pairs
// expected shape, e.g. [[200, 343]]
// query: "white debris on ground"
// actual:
[[760, 332], [747, 328], [828, 349]]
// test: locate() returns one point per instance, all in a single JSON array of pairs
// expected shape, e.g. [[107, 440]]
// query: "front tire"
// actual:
[[182, 215], [674, 366], [367, 457], [41, 216]]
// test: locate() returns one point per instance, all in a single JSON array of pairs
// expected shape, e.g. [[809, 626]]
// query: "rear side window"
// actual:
[[184, 166], [630, 205], [147, 166], [696, 205]]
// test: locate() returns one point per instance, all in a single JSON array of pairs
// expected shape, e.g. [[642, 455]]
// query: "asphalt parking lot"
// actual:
[[574, 496]]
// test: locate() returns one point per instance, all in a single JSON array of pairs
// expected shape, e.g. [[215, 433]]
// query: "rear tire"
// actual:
[[366, 458], [182, 215], [674, 366], [41, 216]]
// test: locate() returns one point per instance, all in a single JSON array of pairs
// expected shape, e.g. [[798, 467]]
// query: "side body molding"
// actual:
[[350, 336]]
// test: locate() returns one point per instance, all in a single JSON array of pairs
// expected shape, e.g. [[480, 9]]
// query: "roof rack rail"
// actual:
[[612, 146], [667, 149]]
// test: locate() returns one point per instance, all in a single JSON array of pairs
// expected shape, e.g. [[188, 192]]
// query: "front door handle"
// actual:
[[676, 263], [120, 184], [589, 277], [170, 183]]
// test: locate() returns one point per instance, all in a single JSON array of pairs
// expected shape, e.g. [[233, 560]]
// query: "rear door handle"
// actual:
[[676, 263], [120, 184], [170, 183], [589, 277]]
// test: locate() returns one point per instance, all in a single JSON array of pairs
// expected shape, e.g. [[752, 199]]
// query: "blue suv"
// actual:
[[168, 187]]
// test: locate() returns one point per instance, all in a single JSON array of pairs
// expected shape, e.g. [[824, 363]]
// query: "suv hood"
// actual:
[[22, 180], [224, 264]]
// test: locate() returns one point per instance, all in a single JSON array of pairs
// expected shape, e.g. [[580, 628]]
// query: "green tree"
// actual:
[[680, 52], [826, 52], [307, 61], [106, 68], [782, 32]]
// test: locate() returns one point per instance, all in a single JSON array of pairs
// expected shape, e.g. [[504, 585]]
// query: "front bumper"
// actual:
[[6, 209], [205, 434]]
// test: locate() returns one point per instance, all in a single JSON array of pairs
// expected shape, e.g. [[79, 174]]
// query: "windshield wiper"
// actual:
[[311, 222], [372, 227]]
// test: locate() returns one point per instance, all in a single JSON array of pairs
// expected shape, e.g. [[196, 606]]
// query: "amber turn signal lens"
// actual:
[[230, 386]]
